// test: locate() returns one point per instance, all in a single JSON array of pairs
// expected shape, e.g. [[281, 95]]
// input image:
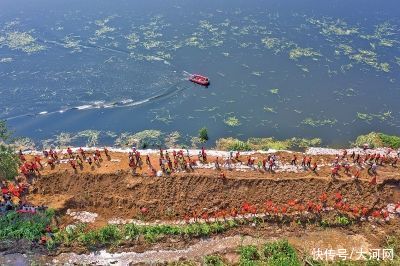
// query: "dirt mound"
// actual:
[[122, 195]]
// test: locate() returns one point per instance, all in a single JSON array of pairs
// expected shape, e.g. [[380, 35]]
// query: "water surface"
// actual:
[[309, 69]]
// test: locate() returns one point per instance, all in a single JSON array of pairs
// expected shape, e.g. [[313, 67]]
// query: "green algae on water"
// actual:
[[142, 139], [274, 91], [317, 123], [298, 52], [270, 109], [232, 121], [92, 137]]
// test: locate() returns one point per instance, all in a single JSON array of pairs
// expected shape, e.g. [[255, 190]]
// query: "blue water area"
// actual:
[[326, 69]]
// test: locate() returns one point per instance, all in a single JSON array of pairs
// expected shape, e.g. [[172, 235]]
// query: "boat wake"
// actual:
[[168, 92]]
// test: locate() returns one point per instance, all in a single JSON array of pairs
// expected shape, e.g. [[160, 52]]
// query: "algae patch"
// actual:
[[232, 121]]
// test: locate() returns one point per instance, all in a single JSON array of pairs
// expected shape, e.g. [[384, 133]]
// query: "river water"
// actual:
[[309, 69]]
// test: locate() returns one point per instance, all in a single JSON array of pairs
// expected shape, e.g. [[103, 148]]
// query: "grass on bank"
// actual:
[[24, 226], [113, 235], [278, 253], [265, 144], [377, 140]]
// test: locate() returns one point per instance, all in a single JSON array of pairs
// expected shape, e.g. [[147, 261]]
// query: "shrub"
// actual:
[[342, 221], [88, 238], [372, 139], [8, 158], [390, 141], [248, 254], [203, 134], [131, 231], [280, 253], [108, 234], [232, 144], [21, 226], [213, 260]]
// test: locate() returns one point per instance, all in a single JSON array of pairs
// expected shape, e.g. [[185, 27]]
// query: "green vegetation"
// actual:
[[274, 91], [116, 234], [22, 226], [342, 221], [248, 255], [232, 121], [8, 158], [142, 139], [376, 140], [318, 123], [213, 260], [265, 144], [203, 134], [279, 253]]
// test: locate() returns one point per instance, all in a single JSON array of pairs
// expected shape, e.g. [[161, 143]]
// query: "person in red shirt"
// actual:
[[308, 162], [24, 171], [314, 168], [394, 162], [344, 155], [69, 151], [264, 163], [82, 153], [303, 161], [335, 172], [347, 168], [106, 153], [294, 160], [35, 167], [73, 165], [89, 160], [50, 161], [373, 181], [38, 161], [98, 155]]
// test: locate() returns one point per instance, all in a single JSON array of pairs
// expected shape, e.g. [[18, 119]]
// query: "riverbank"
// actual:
[[292, 198]]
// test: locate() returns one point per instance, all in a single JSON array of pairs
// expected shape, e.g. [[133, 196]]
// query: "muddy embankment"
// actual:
[[122, 195]]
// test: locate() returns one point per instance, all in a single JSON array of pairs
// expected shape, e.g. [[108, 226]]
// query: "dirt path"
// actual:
[[226, 246]]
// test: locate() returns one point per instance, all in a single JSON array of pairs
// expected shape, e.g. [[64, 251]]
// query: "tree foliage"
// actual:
[[203, 134], [8, 158]]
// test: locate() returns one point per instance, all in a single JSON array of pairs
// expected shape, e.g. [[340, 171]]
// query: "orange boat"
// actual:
[[199, 79]]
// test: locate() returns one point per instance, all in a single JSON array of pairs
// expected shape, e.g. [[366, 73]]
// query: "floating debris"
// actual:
[[71, 43], [383, 116], [22, 41], [298, 52], [270, 109], [330, 26], [63, 139], [232, 121], [142, 139], [274, 91], [6, 60], [133, 39], [369, 58], [317, 123], [91, 135], [24, 143], [257, 73], [172, 139]]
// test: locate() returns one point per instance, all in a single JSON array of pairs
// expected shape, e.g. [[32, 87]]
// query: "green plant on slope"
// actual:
[[342, 221], [213, 260], [20, 226], [203, 134], [109, 234], [280, 253], [8, 158], [390, 141], [248, 255]]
